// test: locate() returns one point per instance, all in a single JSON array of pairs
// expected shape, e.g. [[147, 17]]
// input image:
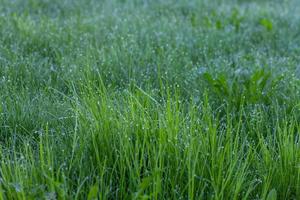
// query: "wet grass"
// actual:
[[149, 99]]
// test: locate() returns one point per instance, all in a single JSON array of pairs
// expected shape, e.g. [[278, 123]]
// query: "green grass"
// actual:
[[162, 99]]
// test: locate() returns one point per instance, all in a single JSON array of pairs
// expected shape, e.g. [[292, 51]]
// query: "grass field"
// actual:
[[150, 99]]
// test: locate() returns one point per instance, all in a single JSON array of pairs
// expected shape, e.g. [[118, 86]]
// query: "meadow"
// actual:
[[150, 99]]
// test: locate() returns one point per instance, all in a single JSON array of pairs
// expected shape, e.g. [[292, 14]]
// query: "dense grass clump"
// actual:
[[162, 99]]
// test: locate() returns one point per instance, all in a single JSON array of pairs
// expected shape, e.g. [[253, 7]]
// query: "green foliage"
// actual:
[[252, 88], [161, 99], [93, 193], [266, 23]]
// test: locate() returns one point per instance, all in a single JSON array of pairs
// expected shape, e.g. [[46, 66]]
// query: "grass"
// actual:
[[162, 99]]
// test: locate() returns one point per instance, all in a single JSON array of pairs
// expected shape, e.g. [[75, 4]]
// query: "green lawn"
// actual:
[[150, 99]]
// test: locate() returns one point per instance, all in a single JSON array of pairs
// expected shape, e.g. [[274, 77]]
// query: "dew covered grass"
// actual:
[[150, 99]]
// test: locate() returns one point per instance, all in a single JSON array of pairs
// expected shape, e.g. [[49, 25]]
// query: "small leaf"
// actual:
[[219, 24], [272, 195], [266, 23], [93, 193], [208, 77], [145, 183]]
